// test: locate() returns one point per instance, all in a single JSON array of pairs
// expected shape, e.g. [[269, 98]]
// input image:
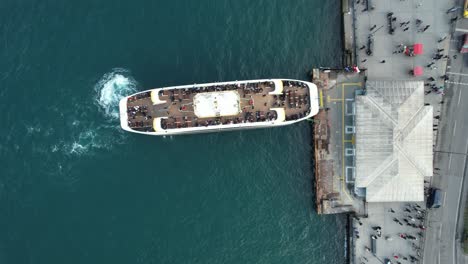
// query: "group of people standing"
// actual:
[[410, 215]]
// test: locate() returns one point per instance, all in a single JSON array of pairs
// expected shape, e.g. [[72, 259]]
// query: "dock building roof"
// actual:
[[394, 140]]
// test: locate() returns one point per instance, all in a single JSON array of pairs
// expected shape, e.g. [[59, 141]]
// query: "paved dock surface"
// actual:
[[445, 225], [397, 66], [395, 241], [334, 143], [387, 63]]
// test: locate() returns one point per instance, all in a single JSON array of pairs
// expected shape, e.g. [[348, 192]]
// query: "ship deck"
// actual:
[[255, 105]]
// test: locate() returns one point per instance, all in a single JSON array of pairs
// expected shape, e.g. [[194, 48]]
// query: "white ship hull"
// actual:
[[314, 108]]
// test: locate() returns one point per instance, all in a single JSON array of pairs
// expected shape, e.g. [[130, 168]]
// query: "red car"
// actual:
[[464, 48]]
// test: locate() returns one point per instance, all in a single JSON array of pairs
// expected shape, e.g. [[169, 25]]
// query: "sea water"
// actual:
[[75, 188]]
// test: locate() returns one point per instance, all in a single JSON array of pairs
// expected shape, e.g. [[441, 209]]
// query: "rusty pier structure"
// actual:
[[333, 135]]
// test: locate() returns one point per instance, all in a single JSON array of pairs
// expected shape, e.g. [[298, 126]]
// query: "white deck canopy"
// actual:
[[216, 104], [155, 97], [278, 87], [157, 124], [281, 114]]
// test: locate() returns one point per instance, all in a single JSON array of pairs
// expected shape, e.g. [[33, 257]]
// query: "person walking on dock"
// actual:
[[453, 9], [442, 39]]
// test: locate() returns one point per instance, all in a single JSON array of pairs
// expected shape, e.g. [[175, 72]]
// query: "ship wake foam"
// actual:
[[112, 87], [90, 136], [86, 128]]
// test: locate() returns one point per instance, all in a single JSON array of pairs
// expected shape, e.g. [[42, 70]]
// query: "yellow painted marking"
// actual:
[[321, 98], [352, 140], [356, 84], [343, 134], [343, 143]]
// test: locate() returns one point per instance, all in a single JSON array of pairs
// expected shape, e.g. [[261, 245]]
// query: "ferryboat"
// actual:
[[223, 106]]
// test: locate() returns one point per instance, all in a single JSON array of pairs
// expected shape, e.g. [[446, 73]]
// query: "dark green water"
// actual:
[[74, 188]]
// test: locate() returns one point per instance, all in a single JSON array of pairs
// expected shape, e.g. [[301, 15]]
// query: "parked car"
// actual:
[[464, 48], [435, 198], [374, 245]]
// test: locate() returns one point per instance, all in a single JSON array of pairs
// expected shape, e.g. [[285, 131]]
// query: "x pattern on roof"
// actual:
[[393, 141]]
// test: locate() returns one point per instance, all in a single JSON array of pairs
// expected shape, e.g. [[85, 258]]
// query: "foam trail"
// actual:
[[112, 87]]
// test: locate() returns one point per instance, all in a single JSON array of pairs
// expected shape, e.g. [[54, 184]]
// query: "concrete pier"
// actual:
[[334, 142], [349, 55], [426, 22]]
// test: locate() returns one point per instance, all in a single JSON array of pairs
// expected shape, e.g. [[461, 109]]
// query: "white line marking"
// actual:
[[456, 220], [457, 83], [450, 161], [454, 128], [461, 29], [459, 97], [456, 73], [445, 196], [440, 239]]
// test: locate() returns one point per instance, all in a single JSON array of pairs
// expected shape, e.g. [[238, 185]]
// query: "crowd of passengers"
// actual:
[[248, 117], [297, 116], [139, 96], [294, 84], [146, 126], [137, 110], [291, 99], [247, 88]]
